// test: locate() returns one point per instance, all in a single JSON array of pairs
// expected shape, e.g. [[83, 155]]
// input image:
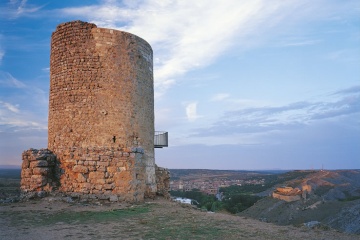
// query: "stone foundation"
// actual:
[[90, 173]]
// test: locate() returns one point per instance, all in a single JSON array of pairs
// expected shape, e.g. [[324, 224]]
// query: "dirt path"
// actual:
[[158, 219]]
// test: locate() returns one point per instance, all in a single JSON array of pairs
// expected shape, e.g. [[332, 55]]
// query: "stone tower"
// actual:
[[101, 111]]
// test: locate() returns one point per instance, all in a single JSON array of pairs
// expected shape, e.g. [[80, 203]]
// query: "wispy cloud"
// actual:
[[354, 89], [220, 97], [15, 117], [187, 35], [7, 80], [16, 9], [345, 55], [279, 118], [302, 43], [191, 111], [2, 53], [10, 107], [12, 119]]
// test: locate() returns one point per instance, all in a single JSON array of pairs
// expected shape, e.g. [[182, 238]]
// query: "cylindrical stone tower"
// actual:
[[101, 111]]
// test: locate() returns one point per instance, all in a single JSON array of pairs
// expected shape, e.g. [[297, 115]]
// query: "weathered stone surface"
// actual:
[[41, 171], [38, 175], [163, 181], [101, 117], [113, 198], [101, 96], [39, 163], [80, 169]]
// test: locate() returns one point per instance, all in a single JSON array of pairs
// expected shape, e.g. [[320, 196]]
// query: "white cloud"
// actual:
[[191, 111], [187, 35], [220, 97], [10, 107], [15, 9], [12, 117], [345, 55], [268, 119], [7, 80], [2, 53], [302, 43]]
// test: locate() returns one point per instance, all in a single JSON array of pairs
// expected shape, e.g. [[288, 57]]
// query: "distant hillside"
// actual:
[[334, 201], [10, 167], [10, 173]]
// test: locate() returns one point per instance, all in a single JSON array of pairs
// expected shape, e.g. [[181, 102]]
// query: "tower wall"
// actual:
[[101, 110]]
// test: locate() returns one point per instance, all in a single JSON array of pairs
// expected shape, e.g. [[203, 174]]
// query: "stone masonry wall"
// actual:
[[96, 173], [104, 173], [162, 181], [38, 174], [101, 104]]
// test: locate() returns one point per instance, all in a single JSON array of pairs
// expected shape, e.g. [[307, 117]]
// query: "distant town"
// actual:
[[210, 183]]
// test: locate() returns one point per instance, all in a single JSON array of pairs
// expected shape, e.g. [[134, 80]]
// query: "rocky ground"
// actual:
[[60, 218]]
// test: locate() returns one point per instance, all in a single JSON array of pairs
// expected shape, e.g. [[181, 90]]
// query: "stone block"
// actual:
[[100, 181], [108, 186], [101, 169], [112, 169], [25, 164], [113, 198], [80, 169], [96, 175], [105, 164], [38, 163], [41, 171], [81, 178], [38, 180], [41, 157], [87, 186], [26, 173]]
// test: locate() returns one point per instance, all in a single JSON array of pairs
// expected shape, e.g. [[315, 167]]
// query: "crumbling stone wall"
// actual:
[[162, 181], [38, 172], [101, 116]]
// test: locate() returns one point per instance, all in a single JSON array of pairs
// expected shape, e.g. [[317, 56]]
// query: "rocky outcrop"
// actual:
[[287, 194]]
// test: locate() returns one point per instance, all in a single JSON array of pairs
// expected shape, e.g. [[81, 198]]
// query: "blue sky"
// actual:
[[238, 84]]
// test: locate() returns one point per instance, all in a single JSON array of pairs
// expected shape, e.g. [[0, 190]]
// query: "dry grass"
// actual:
[[159, 219]]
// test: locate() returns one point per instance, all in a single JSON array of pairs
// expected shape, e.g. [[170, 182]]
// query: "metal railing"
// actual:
[[161, 139]]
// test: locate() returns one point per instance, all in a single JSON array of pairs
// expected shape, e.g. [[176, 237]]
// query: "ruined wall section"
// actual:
[[38, 172], [163, 181], [104, 173], [101, 97]]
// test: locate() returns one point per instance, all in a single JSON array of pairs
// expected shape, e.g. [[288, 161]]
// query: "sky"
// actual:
[[239, 84]]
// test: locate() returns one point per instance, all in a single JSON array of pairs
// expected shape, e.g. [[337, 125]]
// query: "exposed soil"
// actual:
[[52, 218]]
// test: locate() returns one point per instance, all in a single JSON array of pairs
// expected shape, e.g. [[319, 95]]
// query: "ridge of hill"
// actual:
[[334, 201]]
